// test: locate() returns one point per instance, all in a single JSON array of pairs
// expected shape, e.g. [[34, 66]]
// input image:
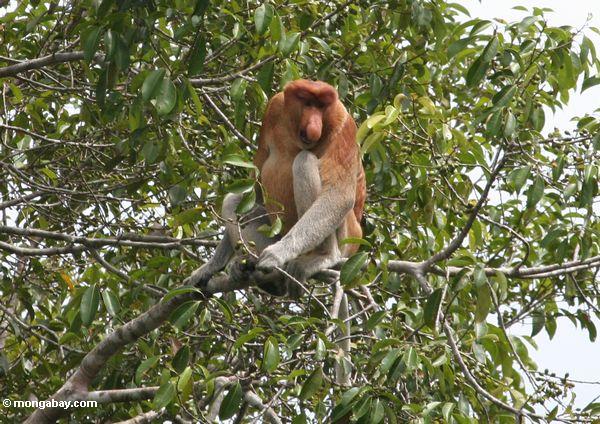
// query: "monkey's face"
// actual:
[[307, 102]]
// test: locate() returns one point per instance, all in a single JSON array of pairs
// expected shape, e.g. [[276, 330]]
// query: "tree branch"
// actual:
[[52, 59]]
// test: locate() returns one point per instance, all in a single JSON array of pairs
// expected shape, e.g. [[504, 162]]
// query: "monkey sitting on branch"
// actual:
[[309, 164]]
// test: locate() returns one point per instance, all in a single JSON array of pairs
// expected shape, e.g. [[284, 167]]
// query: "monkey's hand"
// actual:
[[271, 257]]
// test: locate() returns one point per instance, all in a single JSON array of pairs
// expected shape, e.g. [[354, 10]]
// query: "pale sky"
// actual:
[[570, 350]]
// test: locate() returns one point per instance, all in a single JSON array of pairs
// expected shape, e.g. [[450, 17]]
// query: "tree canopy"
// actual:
[[124, 123]]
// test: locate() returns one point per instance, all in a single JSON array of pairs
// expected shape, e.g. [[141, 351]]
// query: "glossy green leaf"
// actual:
[[90, 43], [89, 304], [152, 84], [262, 18], [111, 302], [166, 97], [312, 384], [196, 57], [270, 355], [432, 308], [146, 365], [165, 394], [352, 268], [231, 402]]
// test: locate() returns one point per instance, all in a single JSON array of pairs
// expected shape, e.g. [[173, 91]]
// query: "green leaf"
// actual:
[[479, 67], [143, 367], [185, 383], [166, 97], [510, 125], [457, 46], [519, 176], [165, 394], [377, 412], [247, 203], [89, 305], [276, 227], [447, 410], [240, 186], [322, 43], [262, 18], [494, 124], [589, 82], [110, 43], [300, 419], [504, 96], [121, 54], [90, 43], [536, 191], [180, 290], [270, 355], [181, 359], [484, 301], [375, 319], [539, 322], [352, 268], [289, 43], [182, 315], [231, 402], [237, 160], [152, 84], [249, 336], [389, 360], [265, 76], [238, 89], [432, 308], [111, 302], [312, 384], [476, 72], [479, 277], [177, 194], [197, 56], [150, 151], [276, 27], [411, 358]]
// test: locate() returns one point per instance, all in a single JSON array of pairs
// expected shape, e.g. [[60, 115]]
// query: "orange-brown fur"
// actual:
[[339, 160]]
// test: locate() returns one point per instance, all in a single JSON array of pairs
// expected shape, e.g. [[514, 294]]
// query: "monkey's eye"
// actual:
[[310, 103]]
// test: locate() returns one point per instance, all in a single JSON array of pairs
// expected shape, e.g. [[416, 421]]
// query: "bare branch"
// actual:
[[446, 252], [146, 417], [254, 400], [41, 62]]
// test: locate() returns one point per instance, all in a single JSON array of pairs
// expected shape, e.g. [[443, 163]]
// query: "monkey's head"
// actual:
[[309, 104]]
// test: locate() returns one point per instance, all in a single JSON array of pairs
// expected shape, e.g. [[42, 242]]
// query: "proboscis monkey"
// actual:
[[311, 175]]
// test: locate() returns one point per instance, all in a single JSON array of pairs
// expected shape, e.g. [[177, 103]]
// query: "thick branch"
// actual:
[[52, 59], [19, 200], [254, 400], [121, 395], [77, 385], [132, 240]]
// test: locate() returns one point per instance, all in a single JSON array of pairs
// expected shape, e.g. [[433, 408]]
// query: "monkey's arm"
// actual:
[[320, 220]]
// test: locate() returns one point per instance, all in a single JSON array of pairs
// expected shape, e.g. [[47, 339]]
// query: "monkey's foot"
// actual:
[[241, 269]]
